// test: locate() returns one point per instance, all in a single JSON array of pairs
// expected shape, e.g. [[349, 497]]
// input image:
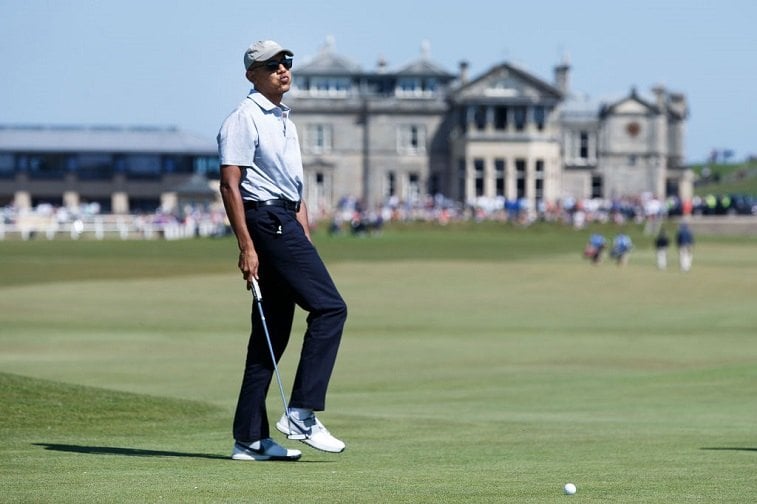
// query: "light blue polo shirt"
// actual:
[[259, 136]]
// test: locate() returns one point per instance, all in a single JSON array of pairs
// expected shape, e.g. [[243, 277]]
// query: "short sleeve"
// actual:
[[237, 140]]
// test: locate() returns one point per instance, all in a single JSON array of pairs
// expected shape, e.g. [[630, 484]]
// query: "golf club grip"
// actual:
[[256, 289]]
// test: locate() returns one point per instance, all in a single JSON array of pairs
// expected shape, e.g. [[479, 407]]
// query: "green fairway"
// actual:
[[479, 364]]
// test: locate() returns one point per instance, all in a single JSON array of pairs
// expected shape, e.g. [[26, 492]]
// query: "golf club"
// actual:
[[258, 297]]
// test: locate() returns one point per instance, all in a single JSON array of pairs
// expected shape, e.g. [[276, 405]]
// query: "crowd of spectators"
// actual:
[[351, 216]]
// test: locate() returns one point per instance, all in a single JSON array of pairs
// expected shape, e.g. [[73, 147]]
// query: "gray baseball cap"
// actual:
[[263, 50]]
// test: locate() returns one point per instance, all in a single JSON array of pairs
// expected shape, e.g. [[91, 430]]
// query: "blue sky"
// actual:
[[179, 62]]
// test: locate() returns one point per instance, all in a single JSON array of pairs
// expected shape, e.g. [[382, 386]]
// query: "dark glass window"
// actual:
[[539, 188], [93, 166], [209, 166], [46, 166], [7, 165], [500, 118], [143, 166], [520, 176], [519, 115], [499, 174], [584, 145], [478, 164], [596, 186], [539, 117], [480, 117]]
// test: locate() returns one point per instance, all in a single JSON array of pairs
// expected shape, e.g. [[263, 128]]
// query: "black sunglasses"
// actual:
[[272, 65]]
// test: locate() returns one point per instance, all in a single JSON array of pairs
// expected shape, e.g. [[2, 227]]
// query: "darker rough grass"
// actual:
[[30, 405]]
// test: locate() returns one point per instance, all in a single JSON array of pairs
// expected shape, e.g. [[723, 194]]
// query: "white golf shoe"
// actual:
[[265, 449], [310, 431]]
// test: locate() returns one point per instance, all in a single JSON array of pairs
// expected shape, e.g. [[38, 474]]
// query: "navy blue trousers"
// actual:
[[291, 273]]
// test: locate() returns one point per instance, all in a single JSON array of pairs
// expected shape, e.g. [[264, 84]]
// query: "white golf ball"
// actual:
[[569, 488]]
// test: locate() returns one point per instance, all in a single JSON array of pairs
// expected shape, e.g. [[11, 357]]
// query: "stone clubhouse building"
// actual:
[[384, 135]]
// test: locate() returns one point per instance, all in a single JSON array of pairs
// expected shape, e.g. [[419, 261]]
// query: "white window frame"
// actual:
[[411, 139], [318, 138], [332, 87], [416, 87]]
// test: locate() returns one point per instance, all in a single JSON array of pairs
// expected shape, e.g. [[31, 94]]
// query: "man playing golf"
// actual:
[[261, 188]]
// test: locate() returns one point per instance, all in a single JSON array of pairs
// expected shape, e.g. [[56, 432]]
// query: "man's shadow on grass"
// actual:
[[131, 452], [128, 452]]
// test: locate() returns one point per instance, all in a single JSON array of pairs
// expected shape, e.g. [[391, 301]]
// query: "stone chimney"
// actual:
[[463, 72], [562, 75], [562, 72], [678, 104], [660, 96]]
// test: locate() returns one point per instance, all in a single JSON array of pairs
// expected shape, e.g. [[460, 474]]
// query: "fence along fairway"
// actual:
[[461, 379]]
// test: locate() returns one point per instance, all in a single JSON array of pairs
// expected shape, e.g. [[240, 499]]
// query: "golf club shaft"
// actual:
[[257, 295]]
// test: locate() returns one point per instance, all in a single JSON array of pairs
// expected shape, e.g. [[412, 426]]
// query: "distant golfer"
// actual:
[[661, 244], [261, 187], [685, 242], [621, 248]]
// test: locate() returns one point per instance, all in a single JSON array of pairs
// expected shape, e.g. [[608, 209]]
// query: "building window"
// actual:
[[408, 86], [45, 166], [596, 186], [322, 192], [478, 165], [519, 115], [539, 117], [7, 165], [177, 164], [500, 118], [430, 86], [411, 139], [414, 87], [93, 166], [479, 117], [520, 178], [413, 187], [208, 166], [142, 166], [317, 139], [330, 87], [499, 176], [583, 146], [539, 180], [391, 185]]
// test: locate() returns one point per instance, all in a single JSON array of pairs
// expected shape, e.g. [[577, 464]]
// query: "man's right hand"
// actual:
[[248, 265]]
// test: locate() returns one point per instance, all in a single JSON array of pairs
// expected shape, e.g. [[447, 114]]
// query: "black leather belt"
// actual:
[[289, 205]]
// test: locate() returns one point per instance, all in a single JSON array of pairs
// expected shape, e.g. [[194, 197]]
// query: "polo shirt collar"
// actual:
[[265, 103]]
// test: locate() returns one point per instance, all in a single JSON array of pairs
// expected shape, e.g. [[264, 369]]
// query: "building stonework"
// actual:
[[505, 135], [384, 136]]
